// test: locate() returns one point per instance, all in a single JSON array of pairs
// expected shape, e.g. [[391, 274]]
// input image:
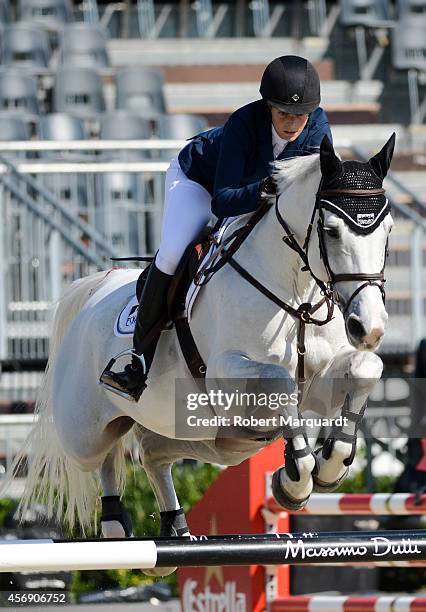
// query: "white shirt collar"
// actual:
[[278, 143]]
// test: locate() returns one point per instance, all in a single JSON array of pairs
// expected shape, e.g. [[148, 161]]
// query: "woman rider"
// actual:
[[225, 171]]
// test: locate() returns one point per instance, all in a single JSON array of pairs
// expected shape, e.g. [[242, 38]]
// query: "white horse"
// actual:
[[241, 334]]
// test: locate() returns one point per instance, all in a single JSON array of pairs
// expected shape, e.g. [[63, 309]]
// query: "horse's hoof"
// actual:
[[115, 520], [114, 529], [287, 502], [327, 487], [159, 571]]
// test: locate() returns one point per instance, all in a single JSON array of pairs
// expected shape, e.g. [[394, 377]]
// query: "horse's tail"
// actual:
[[54, 479]]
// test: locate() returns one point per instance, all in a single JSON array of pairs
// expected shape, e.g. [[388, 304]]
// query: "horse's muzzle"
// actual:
[[361, 338]]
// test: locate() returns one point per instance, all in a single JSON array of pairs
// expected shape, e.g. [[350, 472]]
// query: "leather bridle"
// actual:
[[373, 279]]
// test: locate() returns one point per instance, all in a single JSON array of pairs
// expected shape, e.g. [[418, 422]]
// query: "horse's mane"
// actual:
[[288, 171]]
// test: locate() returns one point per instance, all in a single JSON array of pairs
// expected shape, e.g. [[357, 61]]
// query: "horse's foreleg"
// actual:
[[291, 484], [338, 452]]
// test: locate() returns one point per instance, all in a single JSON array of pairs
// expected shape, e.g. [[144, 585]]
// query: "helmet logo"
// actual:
[[295, 98]]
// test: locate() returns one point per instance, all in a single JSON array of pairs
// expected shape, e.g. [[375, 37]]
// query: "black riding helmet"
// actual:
[[291, 84]]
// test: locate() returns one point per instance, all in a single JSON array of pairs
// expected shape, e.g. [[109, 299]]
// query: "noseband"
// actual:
[[328, 289]]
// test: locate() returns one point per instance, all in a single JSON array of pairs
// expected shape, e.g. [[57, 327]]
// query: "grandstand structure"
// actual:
[[96, 97]]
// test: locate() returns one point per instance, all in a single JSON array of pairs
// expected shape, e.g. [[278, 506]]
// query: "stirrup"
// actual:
[[135, 395]]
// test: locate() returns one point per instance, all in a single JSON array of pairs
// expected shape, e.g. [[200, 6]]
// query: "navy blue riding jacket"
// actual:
[[231, 160]]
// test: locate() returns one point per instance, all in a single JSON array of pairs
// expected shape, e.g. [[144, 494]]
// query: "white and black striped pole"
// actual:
[[252, 549]]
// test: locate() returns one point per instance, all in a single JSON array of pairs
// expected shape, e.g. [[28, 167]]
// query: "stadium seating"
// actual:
[[78, 91], [409, 53], [123, 125], [409, 44], [71, 189], [14, 128], [411, 8], [180, 126], [83, 45], [18, 94], [140, 90], [52, 14], [364, 12], [60, 126], [25, 45], [122, 213]]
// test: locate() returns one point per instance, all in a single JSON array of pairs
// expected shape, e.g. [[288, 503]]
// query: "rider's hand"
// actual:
[[268, 187]]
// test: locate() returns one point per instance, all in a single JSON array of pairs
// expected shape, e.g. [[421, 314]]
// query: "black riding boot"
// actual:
[[153, 303]]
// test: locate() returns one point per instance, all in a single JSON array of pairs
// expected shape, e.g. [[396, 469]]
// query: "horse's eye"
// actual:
[[332, 232]]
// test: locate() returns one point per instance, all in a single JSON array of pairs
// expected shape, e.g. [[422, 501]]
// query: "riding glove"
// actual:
[[267, 187]]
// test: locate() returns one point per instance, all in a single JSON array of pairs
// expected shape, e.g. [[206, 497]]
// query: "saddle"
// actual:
[[184, 275]]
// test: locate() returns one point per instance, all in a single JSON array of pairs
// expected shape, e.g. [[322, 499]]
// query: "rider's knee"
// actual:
[[168, 261]]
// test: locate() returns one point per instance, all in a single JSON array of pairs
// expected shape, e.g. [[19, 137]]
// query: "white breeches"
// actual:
[[187, 209]]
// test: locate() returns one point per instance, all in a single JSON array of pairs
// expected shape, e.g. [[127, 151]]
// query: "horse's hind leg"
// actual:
[[115, 521]]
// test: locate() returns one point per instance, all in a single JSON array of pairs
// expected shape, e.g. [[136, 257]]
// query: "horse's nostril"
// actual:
[[355, 327]]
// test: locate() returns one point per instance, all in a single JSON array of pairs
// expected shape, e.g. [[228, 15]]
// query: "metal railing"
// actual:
[[64, 218], [204, 18]]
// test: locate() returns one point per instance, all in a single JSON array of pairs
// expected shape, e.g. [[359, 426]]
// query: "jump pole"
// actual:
[[349, 603], [204, 551], [366, 504]]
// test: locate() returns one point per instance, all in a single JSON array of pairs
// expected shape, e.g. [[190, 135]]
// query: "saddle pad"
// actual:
[[125, 322], [194, 289]]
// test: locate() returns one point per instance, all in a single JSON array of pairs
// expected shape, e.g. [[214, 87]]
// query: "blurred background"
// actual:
[[96, 98]]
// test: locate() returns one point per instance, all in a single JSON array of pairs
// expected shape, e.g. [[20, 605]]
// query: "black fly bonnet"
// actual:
[[346, 196]]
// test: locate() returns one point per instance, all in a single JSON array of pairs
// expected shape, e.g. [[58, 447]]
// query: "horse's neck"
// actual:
[[273, 263]]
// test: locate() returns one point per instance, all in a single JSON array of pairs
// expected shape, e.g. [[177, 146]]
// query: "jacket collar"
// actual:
[[265, 137]]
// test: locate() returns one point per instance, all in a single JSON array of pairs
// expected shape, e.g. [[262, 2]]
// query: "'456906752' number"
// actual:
[[45, 597]]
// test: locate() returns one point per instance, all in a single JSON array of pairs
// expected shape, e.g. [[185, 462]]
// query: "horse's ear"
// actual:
[[330, 163], [381, 162]]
